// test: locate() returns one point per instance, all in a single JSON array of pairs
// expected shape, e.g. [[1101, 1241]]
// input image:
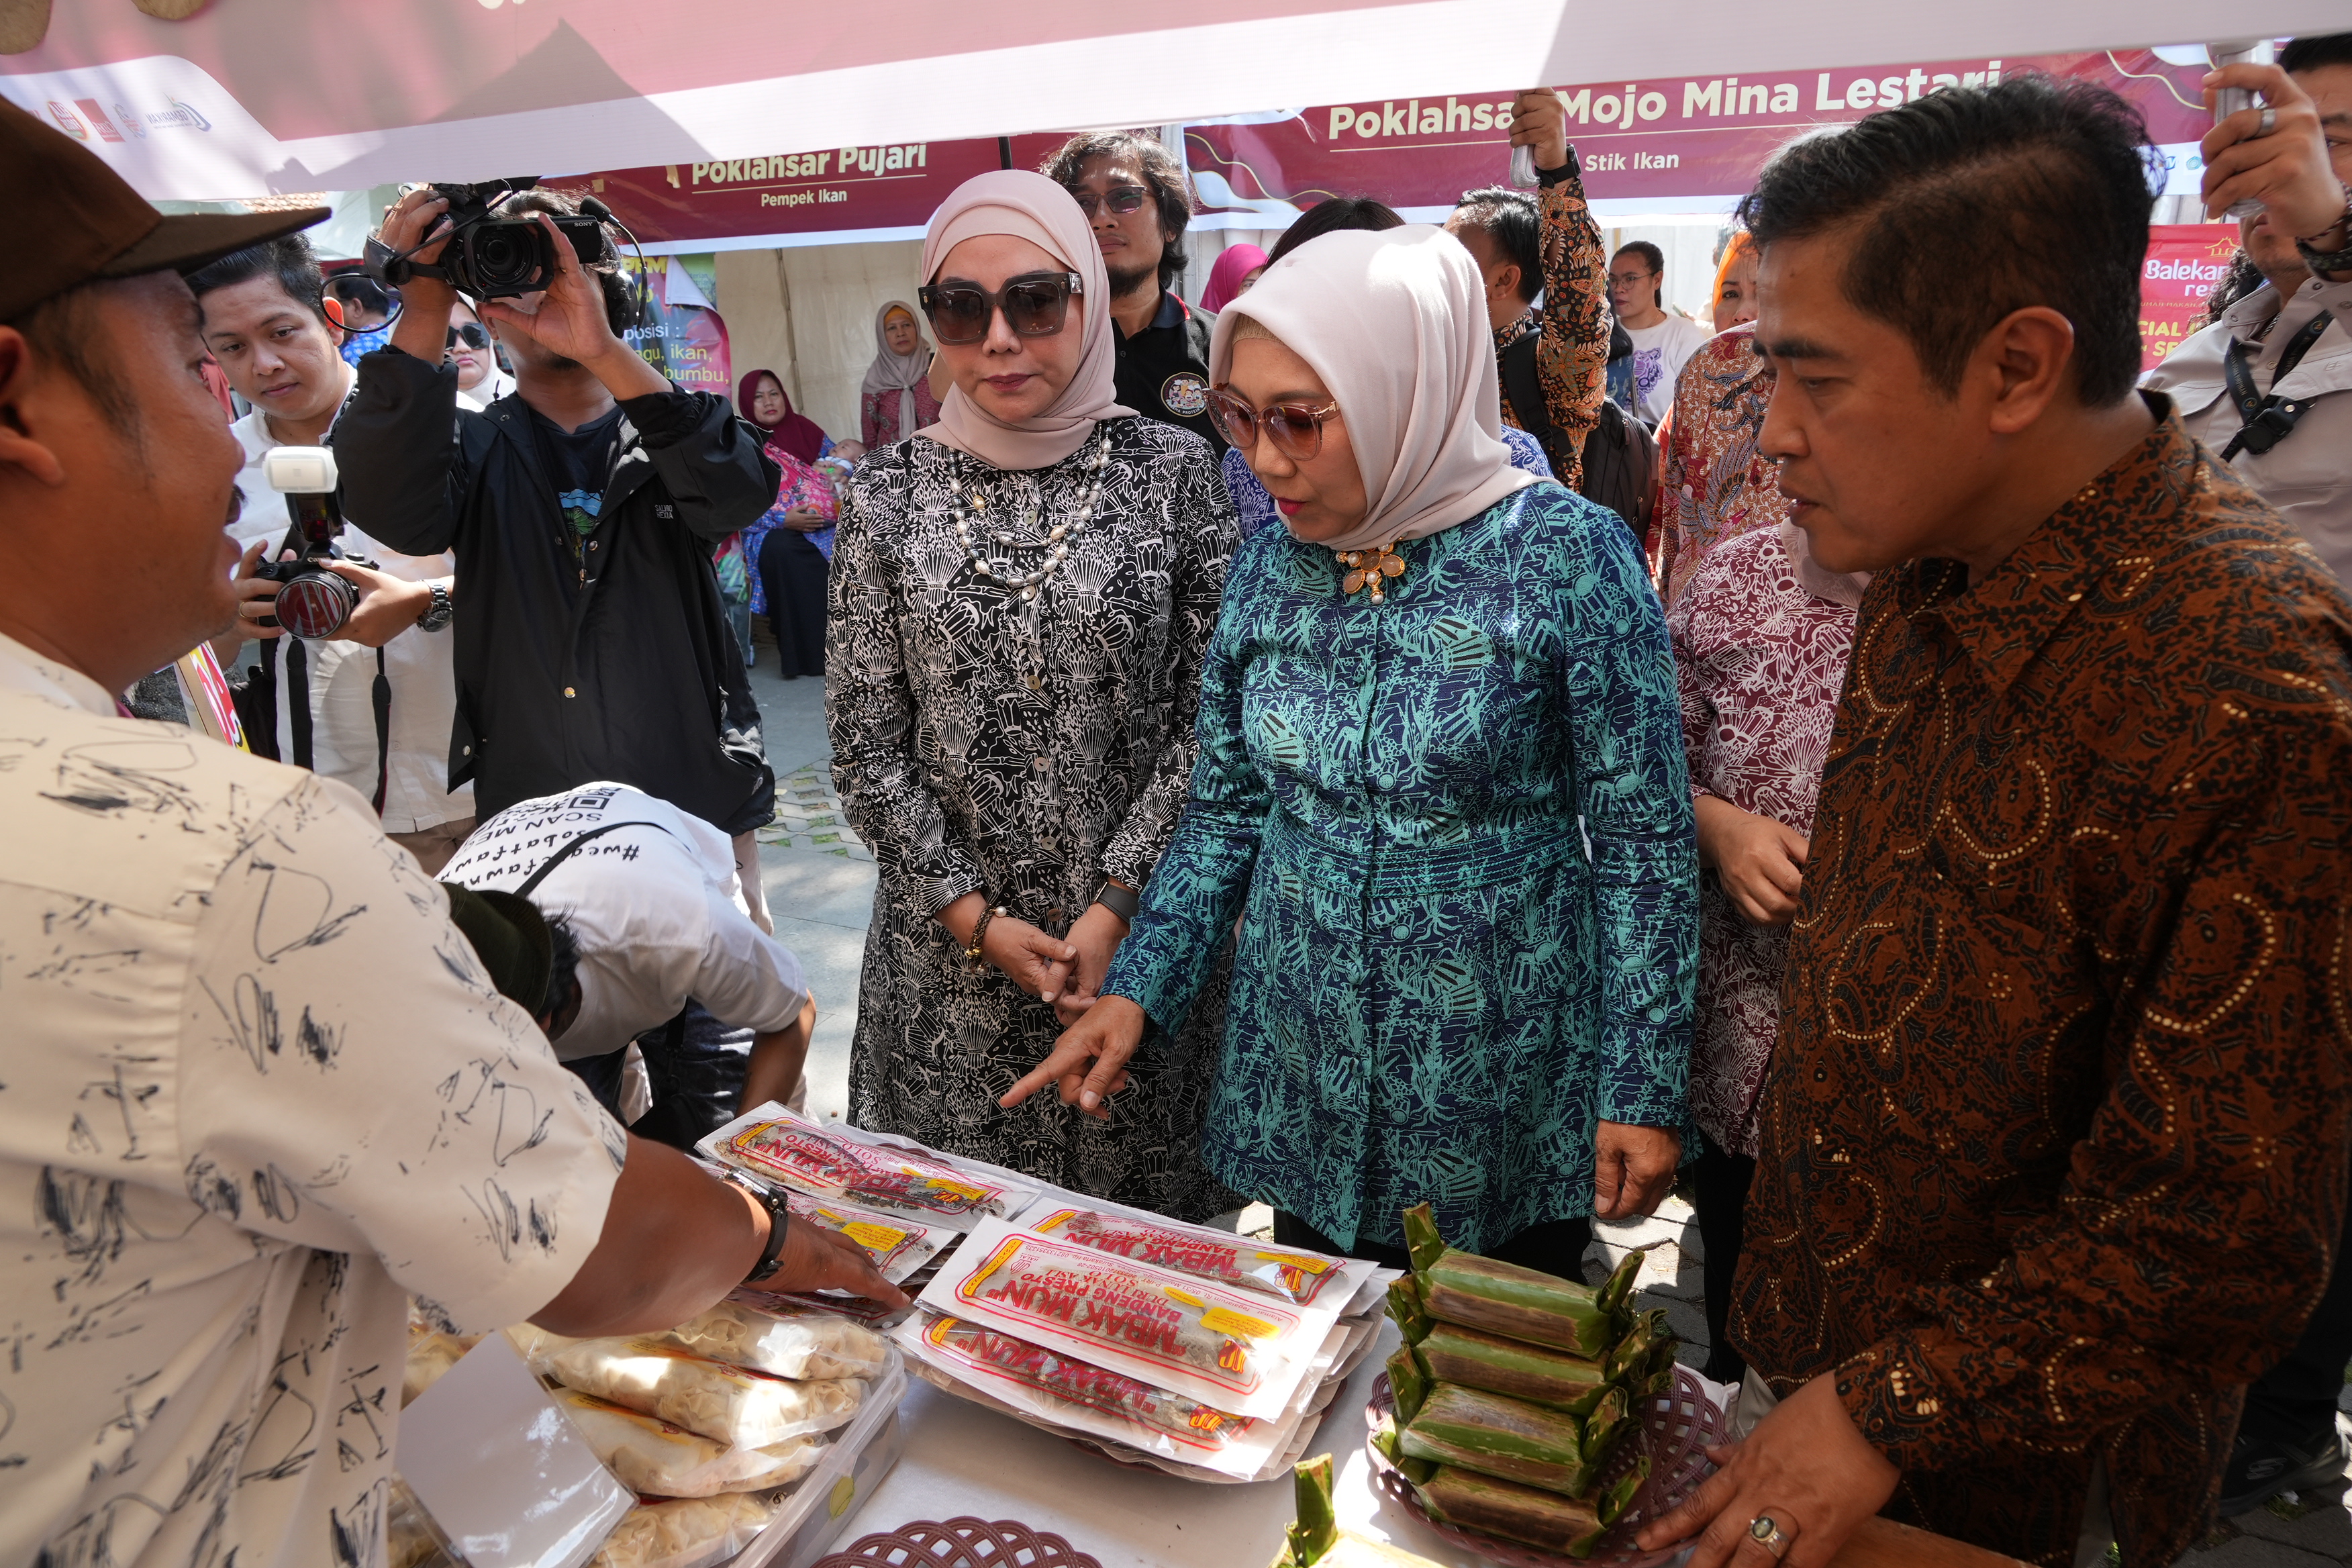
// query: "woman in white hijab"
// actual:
[[1445, 993], [897, 399], [1020, 599]]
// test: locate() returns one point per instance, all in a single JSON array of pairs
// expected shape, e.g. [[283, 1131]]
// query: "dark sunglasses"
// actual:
[[1122, 200], [1035, 305], [473, 334], [1295, 429]]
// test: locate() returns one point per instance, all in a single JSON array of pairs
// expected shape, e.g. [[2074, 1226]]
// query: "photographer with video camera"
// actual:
[[582, 509]]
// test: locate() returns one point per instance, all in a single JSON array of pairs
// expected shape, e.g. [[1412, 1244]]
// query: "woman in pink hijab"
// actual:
[[1236, 268], [1441, 786], [1020, 597]]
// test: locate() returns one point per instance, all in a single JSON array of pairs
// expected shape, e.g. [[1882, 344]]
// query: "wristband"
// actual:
[[980, 931], [778, 1216], [1124, 902]]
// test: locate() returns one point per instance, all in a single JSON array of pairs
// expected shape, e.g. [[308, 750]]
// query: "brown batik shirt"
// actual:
[[2054, 1144]]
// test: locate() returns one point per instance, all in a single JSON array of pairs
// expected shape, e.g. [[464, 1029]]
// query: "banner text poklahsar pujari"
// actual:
[[1692, 137]]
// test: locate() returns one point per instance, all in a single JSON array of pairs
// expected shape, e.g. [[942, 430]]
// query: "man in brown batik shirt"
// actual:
[[2053, 1142]]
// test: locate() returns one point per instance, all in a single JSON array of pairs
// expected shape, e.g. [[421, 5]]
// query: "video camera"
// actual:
[[490, 257], [311, 602]]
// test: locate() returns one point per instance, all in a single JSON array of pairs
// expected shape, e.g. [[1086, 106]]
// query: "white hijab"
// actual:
[[1395, 324]]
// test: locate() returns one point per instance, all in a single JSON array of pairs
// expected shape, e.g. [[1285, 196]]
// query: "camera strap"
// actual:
[[380, 698], [2266, 421], [297, 715]]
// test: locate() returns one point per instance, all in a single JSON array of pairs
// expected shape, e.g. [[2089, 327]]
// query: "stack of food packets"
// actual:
[[845, 1168], [1196, 1351], [1514, 1390], [711, 1423]]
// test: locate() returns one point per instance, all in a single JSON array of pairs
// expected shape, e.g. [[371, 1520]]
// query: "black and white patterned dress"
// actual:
[[1026, 747]]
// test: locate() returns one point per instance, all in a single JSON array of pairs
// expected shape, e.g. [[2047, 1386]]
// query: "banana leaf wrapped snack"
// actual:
[[1514, 1390], [1318, 1539]]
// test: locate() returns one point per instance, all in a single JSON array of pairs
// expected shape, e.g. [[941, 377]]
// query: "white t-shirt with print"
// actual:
[[420, 667], [1659, 354], [656, 905], [258, 1090]]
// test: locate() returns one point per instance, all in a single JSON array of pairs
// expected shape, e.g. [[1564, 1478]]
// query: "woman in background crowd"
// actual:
[[897, 399], [1429, 691], [1024, 595], [1236, 268], [789, 550], [1762, 634], [1716, 485], [480, 382]]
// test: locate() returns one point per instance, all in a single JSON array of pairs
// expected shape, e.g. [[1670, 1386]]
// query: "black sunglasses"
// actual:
[[473, 334], [1121, 199], [1035, 305]]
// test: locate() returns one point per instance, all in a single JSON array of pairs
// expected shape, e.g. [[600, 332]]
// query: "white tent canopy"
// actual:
[[253, 96]]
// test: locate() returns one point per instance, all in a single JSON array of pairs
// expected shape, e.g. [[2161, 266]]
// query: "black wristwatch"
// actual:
[[771, 1256], [440, 612], [1124, 902]]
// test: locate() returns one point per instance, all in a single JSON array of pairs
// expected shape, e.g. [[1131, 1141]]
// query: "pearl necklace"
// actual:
[[1057, 542]]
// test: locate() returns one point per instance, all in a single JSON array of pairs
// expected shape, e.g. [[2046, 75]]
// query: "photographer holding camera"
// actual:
[[267, 324], [582, 509]]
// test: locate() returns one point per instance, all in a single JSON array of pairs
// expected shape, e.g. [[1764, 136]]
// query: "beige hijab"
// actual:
[[1031, 207], [1395, 323]]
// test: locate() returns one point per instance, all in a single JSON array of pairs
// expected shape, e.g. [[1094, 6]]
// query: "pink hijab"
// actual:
[[1395, 324], [1031, 207], [1234, 263]]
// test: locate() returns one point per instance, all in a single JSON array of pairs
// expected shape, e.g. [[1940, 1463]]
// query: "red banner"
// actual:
[[824, 192], [1682, 137], [2185, 261]]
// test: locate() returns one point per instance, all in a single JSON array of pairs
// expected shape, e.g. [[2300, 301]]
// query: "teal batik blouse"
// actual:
[[1443, 981]]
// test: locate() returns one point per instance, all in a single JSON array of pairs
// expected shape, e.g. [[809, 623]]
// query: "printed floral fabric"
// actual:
[[878, 414], [2053, 1144], [1439, 989], [259, 1091], [1758, 660], [803, 485], [1716, 486], [1572, 359], [1026, 748]]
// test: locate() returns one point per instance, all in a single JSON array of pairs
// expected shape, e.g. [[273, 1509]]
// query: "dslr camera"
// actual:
[[311, 602], [490, 257]]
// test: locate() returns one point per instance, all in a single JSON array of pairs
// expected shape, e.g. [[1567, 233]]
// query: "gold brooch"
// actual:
[[1370, 566]]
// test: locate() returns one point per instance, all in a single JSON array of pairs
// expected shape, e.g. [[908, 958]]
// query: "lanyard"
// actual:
[[2267, 420]]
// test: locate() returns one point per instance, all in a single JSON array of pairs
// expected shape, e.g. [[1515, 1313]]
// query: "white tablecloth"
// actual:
[[961, 1459]]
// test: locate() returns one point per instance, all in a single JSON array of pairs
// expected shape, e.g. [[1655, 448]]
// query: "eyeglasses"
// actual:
[[473, 334], [1120, 199], [1035, 305], [1630, 279], [1295, 429]]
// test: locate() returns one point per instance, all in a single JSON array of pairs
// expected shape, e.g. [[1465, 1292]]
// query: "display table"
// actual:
[[961, 1459]]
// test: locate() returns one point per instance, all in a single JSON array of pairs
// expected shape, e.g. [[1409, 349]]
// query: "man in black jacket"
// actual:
[[591, 643]]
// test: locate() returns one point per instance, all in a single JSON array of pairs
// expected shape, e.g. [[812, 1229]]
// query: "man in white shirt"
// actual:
[[260, 1090], [266, 325], [1663, 341], [652, 899]]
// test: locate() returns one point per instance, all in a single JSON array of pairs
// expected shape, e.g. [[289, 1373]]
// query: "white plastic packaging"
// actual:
[[725, 1403], [780, 1339], [653, 1459]]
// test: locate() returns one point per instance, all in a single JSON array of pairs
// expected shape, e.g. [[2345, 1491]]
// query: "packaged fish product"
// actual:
[[692, 1533], [898, 1246], [782, 1338], [1240, 1354], [1282, 1273], [652, 1458], [1060, 1388], [834, 1163], [725, 1403]]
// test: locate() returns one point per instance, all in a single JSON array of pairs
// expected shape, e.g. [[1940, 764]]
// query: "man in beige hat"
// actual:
[[260, 1090]]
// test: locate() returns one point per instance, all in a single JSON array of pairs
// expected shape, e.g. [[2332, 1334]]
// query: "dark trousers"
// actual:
[[1556, 1246], [2295, 1402], [697, 1066], [792, 576], [1721, 1180]]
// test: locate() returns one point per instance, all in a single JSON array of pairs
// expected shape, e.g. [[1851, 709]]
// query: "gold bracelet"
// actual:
[[980, 929]]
